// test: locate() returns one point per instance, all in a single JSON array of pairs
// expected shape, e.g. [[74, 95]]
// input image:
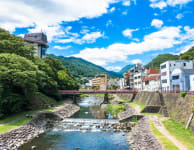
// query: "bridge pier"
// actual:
[[106, 98], [74, 99]]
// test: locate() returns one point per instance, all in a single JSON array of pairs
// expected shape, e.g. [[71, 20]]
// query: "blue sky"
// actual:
[[110, 33]]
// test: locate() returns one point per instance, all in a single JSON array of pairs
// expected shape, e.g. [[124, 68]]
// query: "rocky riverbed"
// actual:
[[38, 125]]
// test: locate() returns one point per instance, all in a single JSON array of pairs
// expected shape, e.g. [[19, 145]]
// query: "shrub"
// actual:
[[182, 94]]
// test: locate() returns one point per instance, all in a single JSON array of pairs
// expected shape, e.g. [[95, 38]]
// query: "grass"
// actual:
[[19, 115], [135, 104], [100, 95], [84, 95], [185, 136], [115, 109], [14, 125], [167, 144]]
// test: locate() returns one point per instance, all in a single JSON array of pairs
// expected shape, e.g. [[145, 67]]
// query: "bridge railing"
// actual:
[[96, 91]]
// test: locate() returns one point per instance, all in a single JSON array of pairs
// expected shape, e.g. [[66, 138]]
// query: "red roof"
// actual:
[[156, 77], [152, 71]]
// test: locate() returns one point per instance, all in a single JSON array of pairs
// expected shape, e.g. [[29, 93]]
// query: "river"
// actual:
[[84, 131]]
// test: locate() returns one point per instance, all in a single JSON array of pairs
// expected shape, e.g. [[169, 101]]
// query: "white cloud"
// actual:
[[136, 61], [62, 47], [126, 3], [186, 48], [162, 4], [23, 13], [87, 38], [124, 13], [128, 32], [157, 23], [114, 68], [179, 16], [166, 37], [109, 23], [91, 37], [112, 9]]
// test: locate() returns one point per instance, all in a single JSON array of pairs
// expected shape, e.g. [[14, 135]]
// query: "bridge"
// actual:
[[105, 92]]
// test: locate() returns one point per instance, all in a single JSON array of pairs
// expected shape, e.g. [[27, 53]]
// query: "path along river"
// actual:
[[89, 129]]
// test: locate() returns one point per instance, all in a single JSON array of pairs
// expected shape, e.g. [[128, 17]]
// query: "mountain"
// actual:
[[160, 59], [188, 55], [82, 68], [126, 68]]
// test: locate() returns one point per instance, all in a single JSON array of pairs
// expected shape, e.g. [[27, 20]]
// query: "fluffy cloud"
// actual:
[[164, 3], [62, 47], [167, 37], [179, 16], [26, 13], [87, 38], [112, 9], [126, 3], [128, 32], [135, 61], [157, 23]]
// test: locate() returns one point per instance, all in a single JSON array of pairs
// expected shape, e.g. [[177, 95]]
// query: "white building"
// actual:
[[152, 81], [39, 41], [166, 69], [138, 77], [192, 82]]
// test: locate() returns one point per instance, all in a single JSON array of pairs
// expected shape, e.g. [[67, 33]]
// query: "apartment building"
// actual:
[[39, 41], [138, 77], [167, 68], [100, 81], [192, 82], [135, 70]]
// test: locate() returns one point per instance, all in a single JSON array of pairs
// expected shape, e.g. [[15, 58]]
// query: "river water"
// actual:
[[84, 131]]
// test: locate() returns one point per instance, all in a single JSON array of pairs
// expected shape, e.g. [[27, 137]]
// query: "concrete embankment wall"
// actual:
[[179, 108]]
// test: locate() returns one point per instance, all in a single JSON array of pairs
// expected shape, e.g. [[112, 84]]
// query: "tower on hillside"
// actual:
[[39, 41]]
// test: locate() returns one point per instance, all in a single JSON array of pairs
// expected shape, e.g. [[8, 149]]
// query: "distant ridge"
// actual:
[[82, 68], [126, 68]]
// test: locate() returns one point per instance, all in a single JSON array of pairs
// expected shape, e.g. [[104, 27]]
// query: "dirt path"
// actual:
[[158, 124]]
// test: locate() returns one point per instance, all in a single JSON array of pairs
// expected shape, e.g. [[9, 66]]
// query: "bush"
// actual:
[[182, 94]]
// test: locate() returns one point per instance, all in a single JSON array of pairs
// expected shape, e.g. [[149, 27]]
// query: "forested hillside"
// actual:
[[188, 55], [22, 75], [126, 68], [82, 68]]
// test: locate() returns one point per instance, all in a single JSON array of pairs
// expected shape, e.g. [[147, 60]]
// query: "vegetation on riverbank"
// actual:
[[168, 145], [115, 109], [84, 95], [185, 136], [14, 125], [22, 75]]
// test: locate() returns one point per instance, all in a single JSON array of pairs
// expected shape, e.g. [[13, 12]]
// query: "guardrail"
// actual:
[[96, 91]]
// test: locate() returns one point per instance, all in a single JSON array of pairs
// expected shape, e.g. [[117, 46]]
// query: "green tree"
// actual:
[[18, 81], [10, 43]]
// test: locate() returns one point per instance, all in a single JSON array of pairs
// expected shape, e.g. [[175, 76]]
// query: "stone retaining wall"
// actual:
[[178, 108], [38, 125]]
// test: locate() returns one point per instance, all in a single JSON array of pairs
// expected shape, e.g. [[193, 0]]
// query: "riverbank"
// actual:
[[38, 125]]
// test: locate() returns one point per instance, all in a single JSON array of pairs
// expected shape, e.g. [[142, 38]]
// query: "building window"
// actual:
[[175, 77], [174, 64], [184, 64], [163, 66], [163, 73], [164, 81]]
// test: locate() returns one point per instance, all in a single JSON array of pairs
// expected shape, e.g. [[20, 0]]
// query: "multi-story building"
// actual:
[[181, 79], [126, 80], [39, 41], [100, 81], [192, 82], [138, 68], [138, 77], [152, 80], [167, 68]]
